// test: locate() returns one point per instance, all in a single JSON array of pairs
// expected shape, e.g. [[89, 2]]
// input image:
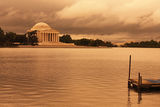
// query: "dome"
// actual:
[[41, 26]]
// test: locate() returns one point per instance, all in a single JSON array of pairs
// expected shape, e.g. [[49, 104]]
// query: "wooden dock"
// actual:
[[141, 84]]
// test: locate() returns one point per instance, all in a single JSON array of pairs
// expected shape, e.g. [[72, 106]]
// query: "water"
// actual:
[[89, 77]]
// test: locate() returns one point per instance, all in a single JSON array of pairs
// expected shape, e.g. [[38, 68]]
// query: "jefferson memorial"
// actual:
[[45, 34]]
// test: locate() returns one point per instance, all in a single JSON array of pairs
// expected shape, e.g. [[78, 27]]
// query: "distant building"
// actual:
[[45, 34]]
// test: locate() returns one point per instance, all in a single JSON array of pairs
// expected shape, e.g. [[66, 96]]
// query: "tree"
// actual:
[[147, 44], [91, 42], [66, 39], [1, 31], [32, 38], [22, 39], [2, 37], [97, 43], [82, 42], [10, 37], [110, 44]]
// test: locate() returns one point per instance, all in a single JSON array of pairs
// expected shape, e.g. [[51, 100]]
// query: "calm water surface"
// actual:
[[67, 77]]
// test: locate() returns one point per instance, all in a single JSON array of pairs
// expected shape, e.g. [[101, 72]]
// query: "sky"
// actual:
[[113, 20]]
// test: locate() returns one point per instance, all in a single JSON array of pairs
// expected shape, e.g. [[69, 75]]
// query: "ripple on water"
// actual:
[[74, 77]]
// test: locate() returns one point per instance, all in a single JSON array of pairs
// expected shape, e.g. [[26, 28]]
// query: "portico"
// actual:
[[45, 34], [47, 37]]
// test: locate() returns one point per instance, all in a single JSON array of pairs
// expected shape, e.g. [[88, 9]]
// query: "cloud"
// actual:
[[124, 18], [121, 15], [19, 15]]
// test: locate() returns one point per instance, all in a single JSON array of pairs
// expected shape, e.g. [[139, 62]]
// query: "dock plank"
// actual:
[[146, 83], [140, 83]]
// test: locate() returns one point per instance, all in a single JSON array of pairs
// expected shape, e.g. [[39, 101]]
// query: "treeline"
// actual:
[[86, 42], [8, 39], [12, 39], [146, 44]]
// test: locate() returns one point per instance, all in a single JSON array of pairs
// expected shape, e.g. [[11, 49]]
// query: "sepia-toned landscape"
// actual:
[[79, 53]]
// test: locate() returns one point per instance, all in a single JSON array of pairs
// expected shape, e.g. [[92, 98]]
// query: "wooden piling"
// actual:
[[129, 76], [142, 84], [139, 82]]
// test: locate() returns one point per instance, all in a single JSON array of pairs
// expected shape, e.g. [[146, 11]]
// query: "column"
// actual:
[[55, 37], [58, 37], [52, 37], [46, 37], [42, 37], [49, 37]]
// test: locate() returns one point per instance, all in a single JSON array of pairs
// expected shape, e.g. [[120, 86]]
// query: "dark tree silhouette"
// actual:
[[147, 44], [22, 39], [91, 42], [66, 39], [10, 38], [32, 38], [2, 37], [82, 42]]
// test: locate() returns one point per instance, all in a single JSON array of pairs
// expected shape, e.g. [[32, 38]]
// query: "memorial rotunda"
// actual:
[[45, 34]]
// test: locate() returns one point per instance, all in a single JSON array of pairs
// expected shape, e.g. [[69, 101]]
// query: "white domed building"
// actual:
[[45, 34]]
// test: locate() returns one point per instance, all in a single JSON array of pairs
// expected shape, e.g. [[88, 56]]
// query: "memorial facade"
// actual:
[[45, 34]]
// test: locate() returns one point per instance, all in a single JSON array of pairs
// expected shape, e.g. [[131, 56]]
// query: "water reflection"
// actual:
[[139, 97], [73, 77], [129, 98]]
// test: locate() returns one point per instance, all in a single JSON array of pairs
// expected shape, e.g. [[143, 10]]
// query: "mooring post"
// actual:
[[129, 76], [139, 82], [129, 67]]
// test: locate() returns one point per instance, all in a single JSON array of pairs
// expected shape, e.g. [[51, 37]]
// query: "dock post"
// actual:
[[129, 68], [129, 76], [139, 82]]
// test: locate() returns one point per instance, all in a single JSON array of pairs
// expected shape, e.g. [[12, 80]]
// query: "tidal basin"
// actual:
[[75, 77]]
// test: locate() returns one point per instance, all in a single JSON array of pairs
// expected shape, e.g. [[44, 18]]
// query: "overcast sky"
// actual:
[[127, 19]]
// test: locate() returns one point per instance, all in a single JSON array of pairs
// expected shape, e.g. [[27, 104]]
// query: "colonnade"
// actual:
[[48, 37]]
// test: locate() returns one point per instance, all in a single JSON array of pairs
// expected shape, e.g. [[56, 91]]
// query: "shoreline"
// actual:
[[56, 46], [68, 46]]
